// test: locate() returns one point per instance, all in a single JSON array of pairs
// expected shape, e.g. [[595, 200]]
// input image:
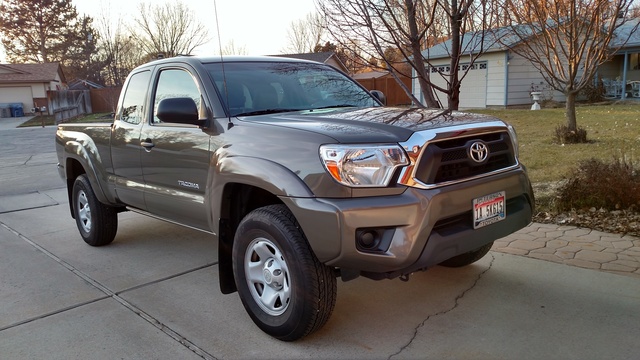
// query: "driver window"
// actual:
[[174, 83]]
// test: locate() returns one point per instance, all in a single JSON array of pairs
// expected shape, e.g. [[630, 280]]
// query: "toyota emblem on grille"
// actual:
[[478, 152]]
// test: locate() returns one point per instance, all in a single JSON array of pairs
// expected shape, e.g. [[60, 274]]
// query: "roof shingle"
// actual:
[[20, 73]]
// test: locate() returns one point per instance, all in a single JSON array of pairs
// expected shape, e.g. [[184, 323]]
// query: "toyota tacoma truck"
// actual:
[[300, 174]]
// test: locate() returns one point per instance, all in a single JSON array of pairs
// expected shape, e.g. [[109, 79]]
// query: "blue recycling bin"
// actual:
[[17, 110]]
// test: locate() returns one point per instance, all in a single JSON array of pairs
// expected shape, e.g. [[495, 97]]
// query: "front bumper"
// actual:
[[423, 227]]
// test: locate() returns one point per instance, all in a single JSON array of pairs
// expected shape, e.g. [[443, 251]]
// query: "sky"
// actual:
[[259, 26]]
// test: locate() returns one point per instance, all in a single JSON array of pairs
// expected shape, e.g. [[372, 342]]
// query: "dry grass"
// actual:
[[50, 119], [613, 131]]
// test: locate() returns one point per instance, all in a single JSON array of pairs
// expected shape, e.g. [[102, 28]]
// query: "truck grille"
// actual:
[[449, 160]]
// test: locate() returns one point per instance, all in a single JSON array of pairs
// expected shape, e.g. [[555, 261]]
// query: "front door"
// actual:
[[175, 157]]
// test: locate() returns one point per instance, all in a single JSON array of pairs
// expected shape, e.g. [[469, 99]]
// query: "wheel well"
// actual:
[[237, 201], [73, 169]]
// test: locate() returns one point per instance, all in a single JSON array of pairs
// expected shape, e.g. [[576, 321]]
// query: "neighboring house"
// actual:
[[327, 57], [624, 67], [502, 78], [83, 84], [28, 83]]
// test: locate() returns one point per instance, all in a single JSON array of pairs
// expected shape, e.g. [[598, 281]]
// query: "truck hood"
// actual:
[[358, 125]]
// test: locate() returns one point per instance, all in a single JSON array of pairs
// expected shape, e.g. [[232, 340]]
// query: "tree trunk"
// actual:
[[453, 92], [570, 110], [421, 71]]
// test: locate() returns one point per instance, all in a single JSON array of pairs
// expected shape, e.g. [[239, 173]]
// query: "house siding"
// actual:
[[495, 80]]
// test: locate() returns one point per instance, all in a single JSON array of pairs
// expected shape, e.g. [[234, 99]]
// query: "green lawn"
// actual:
[[613, 131], [50, 119]]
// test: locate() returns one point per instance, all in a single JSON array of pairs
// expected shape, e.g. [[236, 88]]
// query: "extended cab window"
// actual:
[[174, 83], [133, 102]]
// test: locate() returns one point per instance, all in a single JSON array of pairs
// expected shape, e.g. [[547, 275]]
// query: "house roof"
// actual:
[[506, 37], [83, 84], [321, 57], [622, 35], [30, 73], [370, 75], [493, 40]]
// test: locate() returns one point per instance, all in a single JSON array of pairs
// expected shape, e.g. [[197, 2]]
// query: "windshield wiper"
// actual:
[[267, 111], [334, 106]]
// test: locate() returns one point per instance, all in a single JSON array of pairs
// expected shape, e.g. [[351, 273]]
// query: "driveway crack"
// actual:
[[115, 296], [455, 305]]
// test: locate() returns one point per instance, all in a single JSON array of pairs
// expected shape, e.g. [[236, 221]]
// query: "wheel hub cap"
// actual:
[[267, 276], [273, 275]]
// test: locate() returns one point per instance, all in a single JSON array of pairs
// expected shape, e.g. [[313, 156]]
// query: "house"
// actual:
[[502, 78], [624, 67], [28, 83], [326, 57], [83, 84]]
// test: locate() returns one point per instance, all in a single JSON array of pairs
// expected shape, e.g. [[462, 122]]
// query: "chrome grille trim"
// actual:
[[419, 142]]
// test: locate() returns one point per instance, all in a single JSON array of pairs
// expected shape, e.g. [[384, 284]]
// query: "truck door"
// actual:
[[125, 141], [175, 160]]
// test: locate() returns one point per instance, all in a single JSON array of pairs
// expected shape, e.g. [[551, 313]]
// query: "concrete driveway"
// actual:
[[153, 294]]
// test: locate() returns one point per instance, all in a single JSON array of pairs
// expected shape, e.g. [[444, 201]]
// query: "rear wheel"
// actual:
[[286, 291], [97, 223], [468, 258]]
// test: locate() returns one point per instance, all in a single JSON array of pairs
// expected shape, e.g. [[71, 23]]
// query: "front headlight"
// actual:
[[363, 165]]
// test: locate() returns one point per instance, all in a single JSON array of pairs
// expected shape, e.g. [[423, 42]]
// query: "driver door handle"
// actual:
[[147, 144]]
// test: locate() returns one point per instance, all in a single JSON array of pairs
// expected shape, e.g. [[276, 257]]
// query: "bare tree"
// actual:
[[232, 49], [305, 35], [411, 26], [568, 40], [169, 29], [117, 50]]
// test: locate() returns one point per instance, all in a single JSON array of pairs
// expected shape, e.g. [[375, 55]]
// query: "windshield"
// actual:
[[256, 88]]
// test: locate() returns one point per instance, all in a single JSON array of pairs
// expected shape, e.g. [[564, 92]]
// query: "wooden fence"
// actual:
[[67, 104], [105, 100], [391, 89]]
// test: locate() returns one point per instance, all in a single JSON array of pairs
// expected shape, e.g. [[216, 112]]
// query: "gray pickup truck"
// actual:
[[300, 174]]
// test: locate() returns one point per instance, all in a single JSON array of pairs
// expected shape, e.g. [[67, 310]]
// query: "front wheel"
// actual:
[[285, 289], [97, 223], [468, 258]]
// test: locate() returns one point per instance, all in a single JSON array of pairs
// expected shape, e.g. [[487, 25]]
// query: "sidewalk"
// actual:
[[13, 122], [575, 246]]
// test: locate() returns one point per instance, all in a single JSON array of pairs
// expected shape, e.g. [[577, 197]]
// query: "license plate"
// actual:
[[489, 209]]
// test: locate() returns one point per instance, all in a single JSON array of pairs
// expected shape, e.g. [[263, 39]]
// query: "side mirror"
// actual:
[[380, 96], [182, 110]]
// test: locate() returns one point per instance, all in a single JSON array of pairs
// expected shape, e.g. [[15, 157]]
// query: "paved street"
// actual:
[[546, 292]]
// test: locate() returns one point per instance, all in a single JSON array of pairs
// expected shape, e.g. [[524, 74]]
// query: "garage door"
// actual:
[[17, 95], [473, 90]]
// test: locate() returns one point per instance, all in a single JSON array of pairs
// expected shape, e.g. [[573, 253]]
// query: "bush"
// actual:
[[566, 136], [596, 184], [593, 93]]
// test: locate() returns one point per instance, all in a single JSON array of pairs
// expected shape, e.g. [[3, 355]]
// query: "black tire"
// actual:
[[97, 222], [467, 258], [302, 291]]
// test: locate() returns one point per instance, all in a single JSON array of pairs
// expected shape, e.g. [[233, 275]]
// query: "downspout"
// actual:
[[416, 85], [624, 75], [506, 78]]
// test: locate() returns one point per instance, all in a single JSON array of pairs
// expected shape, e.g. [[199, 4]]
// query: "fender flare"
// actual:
[[83, 150]]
